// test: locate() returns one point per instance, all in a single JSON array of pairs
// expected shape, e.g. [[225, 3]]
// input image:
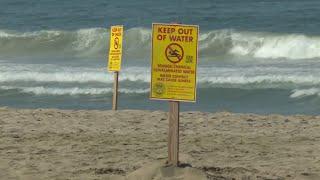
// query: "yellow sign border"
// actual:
[[196, 64]]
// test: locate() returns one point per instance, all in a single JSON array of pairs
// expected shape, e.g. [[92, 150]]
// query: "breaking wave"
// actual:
[[93, 42], [71, 91], [300, 93], [264, 77]]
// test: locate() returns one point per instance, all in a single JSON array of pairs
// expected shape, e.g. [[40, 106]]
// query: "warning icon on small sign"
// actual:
[[116, 43]]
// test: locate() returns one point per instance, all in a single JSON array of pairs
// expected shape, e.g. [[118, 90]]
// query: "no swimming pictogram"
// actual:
[[174, 52]]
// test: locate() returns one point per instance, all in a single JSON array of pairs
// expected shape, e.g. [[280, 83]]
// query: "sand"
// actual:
[[131, 144]]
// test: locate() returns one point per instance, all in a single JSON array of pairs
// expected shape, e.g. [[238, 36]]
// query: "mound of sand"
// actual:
[[158, 171]]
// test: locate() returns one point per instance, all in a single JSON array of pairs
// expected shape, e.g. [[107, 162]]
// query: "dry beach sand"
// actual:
[[131, 144]]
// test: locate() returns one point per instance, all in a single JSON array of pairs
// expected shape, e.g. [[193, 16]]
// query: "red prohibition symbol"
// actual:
[[174, 52]]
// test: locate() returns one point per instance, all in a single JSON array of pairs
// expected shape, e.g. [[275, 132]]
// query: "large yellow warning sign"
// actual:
[[174, 62], [115, 51]]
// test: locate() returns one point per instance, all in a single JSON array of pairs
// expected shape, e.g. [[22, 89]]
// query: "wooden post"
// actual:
[[173, 137], [115, 91]]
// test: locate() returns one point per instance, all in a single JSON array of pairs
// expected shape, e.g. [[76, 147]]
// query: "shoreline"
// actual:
[[96, 144]]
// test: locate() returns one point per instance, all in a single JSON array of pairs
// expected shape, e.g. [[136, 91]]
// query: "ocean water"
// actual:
[[255, 56]]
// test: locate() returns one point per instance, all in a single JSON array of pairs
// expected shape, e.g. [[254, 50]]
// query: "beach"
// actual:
[[250, 68], [132, 144]]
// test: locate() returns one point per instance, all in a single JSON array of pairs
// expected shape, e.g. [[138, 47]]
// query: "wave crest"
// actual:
[[40, 90], [300, 93], [93, 42]]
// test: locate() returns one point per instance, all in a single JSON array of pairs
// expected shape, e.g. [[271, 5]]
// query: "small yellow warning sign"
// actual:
[[115, 51], [174, 62]]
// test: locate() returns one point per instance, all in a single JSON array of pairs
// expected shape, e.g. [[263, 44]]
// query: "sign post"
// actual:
[[173, 135], [173, 73], [114, 63], [115, 91]]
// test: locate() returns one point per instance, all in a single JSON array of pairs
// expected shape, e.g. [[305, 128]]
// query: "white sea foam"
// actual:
[[51, 73], [299, 93], [55, 77], [40, 90], [102, 77], [15, 73], [238, 79], [70, 77], [264, 45]]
